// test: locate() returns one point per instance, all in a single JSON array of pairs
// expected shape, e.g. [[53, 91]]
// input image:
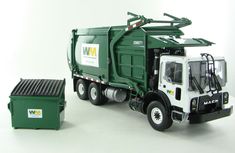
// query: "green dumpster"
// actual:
[[37, 104]]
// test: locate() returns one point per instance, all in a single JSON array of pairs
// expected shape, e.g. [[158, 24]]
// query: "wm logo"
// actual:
[[89, 51], [34, 113]]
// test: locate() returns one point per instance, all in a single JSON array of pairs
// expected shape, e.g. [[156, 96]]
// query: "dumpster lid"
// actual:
[[38, 87]]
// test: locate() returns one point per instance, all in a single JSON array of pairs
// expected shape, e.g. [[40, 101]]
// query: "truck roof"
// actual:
[[165, 34], [159, 36], [167, 30]]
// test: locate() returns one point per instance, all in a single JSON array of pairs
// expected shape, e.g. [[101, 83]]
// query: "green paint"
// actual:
[[123, 54], [44, 110]]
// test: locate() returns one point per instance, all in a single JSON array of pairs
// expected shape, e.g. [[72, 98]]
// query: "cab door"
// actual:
[[171, 81]]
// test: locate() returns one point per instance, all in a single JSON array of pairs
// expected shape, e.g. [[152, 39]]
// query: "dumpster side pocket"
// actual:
[[62, 106], [9, 105]]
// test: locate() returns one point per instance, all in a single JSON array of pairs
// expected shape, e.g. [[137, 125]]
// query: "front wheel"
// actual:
[[82, 90], [158, 116]]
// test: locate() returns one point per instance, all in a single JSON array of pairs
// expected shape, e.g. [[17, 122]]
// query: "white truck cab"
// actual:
[[196, 86]]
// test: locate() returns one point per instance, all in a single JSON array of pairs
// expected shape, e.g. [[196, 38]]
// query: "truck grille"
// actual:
[[210, 103]]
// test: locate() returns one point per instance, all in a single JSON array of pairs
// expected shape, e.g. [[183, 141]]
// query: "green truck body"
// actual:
[[129, 66]]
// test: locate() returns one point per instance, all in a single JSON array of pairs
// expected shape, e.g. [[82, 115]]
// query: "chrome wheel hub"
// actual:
[[156, 115], [93, 93], [81, 89]]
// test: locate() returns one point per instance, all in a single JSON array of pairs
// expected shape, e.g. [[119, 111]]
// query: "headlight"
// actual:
[[193, 104], [225, 97]]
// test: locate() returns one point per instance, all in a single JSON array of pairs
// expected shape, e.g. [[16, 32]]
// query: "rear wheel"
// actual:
[[158, 116], [95, 94], [82, 89]]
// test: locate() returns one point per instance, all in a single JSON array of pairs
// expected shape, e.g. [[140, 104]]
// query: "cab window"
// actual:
[[173, 72]]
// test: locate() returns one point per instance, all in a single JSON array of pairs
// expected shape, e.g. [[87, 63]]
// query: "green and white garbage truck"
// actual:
[[146, 64]]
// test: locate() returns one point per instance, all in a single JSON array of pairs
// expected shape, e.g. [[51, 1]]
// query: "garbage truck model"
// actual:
[[147, 66]]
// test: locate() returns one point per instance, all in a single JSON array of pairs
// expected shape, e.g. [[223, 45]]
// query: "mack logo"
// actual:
[[211, 102]]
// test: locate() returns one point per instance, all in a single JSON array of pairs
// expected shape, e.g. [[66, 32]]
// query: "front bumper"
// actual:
[[199, 118]]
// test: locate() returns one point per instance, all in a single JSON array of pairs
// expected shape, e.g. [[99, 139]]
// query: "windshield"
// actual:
[[198, 70]]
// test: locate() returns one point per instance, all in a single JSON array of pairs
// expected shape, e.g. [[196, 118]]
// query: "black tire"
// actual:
[[95, 94], [82, 89], [158, 116]]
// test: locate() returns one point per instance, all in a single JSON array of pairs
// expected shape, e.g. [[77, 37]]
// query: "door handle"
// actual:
[[178, 93]]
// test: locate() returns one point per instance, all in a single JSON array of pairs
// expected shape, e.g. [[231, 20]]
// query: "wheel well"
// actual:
[[159, 96], [75, 79]]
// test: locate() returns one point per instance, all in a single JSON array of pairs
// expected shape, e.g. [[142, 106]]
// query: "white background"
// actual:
[[34, 35]]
